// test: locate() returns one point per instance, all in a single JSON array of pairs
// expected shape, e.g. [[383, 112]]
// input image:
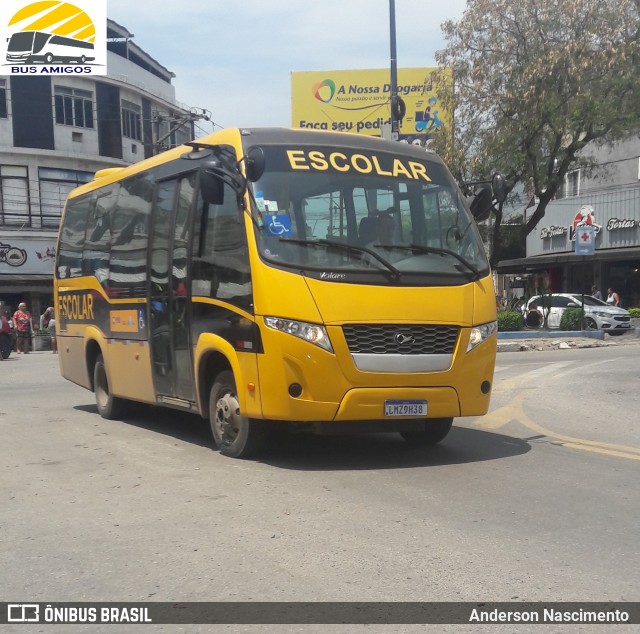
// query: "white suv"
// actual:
[[598, 314]]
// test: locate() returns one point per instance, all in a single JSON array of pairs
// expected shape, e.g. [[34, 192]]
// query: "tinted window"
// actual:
[[181, 235], [313, 204], [220, 253], [561, 302], [72, 236], [162, 216], [129, 236], [95, 256]]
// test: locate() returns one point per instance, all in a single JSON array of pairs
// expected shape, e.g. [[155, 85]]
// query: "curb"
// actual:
[[551, 334]]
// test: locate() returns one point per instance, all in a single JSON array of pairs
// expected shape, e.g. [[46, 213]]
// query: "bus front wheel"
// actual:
[[48, 58], [235, 435], [435, 430], [108, 405]]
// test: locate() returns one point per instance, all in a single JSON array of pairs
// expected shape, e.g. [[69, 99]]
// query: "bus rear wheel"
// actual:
[[108, 405], [235, 435], [435, 430]]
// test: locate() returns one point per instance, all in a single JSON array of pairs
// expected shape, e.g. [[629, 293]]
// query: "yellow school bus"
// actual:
[[263, 277]]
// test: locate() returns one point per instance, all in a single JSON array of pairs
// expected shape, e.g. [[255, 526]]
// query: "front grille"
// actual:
[[395, 339], [622, 318]]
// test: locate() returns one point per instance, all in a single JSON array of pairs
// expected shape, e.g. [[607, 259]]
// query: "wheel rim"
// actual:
[[591, 325], [228, 419], [102, 387]]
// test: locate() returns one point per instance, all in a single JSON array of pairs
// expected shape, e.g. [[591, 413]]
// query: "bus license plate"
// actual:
[[405, 408]]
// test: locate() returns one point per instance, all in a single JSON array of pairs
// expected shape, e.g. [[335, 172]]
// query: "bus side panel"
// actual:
[[129, 369], [484, 301], [479, 364], [70, 353], [477, 369], [289, 360]]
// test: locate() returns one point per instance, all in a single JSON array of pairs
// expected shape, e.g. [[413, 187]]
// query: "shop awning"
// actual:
[[541, 262], [16, 283]]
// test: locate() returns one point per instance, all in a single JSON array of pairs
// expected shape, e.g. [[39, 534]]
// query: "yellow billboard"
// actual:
[[360, 101]]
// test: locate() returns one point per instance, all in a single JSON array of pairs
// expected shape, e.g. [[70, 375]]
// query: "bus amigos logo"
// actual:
[[51, 37]]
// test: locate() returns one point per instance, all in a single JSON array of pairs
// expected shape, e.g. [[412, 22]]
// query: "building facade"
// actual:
[[55, 133], [608, 199]]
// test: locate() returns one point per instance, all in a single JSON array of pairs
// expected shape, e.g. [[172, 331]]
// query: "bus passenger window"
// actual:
[[95, 255], [130, 226], [220, 253], [72, 236]]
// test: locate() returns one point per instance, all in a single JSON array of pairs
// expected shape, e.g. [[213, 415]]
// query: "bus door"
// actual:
[[169, 307]]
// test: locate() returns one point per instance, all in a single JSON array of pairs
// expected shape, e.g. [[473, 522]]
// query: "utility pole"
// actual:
[[175, 122]]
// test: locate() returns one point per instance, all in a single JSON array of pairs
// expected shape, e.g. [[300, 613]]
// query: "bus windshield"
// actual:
[[21, 41], [361, 212]]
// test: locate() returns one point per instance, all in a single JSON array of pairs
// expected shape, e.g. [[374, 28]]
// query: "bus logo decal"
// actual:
[[55, 37]]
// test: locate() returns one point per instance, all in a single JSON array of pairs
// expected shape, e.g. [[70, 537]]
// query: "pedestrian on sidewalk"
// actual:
[[613, 299], [23, 327], [4, 327], [596, 293], [49, 322]]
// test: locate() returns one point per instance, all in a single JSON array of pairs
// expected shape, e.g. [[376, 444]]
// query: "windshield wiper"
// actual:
[[347, 247], [423, 249]]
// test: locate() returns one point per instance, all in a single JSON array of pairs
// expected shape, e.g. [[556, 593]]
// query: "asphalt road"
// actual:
[[537, 501]]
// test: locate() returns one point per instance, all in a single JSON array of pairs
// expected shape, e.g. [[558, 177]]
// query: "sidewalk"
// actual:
[[563, 340]]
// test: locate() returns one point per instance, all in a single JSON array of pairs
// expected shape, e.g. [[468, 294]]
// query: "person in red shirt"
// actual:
[[23, 326]]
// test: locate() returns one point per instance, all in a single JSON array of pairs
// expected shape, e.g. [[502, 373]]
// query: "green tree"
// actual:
[[535, 83]]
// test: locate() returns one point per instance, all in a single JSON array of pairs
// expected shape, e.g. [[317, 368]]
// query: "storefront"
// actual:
[[26, 271], [552, 264]]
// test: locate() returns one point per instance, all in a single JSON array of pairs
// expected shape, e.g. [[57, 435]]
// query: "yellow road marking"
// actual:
[[514, 411]]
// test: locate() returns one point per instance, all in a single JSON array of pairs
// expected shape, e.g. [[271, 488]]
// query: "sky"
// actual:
[[235, 58]]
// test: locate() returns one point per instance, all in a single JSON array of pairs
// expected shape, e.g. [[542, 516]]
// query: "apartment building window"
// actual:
[[570, 186], [55, 184], [14, 195], [131, 120], [573, 183], [3, 98], [74, 107]]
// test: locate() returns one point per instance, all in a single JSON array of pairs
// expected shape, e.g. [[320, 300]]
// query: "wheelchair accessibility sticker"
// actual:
[[279, 225]]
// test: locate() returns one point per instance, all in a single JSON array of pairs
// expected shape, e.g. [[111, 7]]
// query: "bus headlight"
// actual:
[[481, 333], [309, 332]]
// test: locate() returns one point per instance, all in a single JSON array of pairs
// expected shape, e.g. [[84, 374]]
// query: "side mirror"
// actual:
[[499, 187], [482, 204], [254, 163]]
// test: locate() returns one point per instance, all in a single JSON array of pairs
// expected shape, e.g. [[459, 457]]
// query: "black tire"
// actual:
[[5, 345], [235, 435], [590, 324], [618, 333], [48, 58], [435, 430], [108, 405]]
